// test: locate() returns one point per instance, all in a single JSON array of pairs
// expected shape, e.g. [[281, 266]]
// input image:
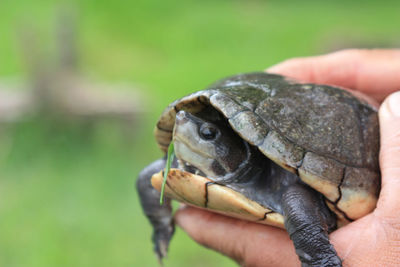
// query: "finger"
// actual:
[[389, 119], [373, 72], [246, 242]]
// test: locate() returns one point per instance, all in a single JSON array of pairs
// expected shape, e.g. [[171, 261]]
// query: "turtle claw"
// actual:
[[161, 247], [161, 250], [162, 234]]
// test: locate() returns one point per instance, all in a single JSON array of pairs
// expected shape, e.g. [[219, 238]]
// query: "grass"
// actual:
[[67, 195]]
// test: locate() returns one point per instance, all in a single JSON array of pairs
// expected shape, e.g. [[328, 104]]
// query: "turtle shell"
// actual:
[[324, 134]]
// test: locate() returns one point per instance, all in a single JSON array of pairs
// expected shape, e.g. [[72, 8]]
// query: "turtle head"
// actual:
[[211, 149]]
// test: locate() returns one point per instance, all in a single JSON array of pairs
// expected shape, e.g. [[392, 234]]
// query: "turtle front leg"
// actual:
[[160, 216], [308, 222]]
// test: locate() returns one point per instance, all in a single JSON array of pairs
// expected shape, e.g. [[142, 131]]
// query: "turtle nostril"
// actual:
[[181, 117]]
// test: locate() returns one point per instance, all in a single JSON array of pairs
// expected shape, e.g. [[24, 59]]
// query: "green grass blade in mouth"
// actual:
[[170, 158]]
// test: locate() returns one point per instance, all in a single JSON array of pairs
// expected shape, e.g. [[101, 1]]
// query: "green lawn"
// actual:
[[67, 195]]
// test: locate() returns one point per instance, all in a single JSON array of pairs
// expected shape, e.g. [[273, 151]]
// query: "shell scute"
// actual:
[[323, 174], [281, 151]]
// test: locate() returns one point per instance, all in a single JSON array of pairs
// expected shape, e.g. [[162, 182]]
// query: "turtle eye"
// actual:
[[208, 132]]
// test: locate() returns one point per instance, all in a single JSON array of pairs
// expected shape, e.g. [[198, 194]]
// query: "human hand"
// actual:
[[373, 240]]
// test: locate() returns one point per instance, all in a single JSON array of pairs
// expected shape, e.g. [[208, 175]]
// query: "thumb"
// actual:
[[389, 120]]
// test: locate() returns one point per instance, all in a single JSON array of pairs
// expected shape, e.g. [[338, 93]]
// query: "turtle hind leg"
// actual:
[[308, 222], [160, 216]]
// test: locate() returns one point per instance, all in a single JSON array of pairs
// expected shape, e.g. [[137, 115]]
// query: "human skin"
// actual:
[[373, 240]]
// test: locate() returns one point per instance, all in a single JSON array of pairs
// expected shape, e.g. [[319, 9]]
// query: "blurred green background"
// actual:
[[67, 195]]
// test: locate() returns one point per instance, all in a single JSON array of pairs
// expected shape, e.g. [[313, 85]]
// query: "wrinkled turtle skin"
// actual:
[[272, 150]]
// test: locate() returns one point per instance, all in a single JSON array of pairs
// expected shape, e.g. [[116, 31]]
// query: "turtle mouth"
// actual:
[[186, 166]]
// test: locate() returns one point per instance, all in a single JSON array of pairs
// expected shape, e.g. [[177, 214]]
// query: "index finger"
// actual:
[[375, 73], [249, 243]]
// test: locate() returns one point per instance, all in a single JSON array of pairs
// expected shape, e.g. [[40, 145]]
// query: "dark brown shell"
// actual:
[[324, 134]]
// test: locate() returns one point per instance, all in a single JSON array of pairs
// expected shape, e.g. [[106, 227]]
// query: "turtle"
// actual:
[[269, 149]]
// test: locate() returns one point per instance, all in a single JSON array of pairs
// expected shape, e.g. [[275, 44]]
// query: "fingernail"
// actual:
[[391, 107]]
